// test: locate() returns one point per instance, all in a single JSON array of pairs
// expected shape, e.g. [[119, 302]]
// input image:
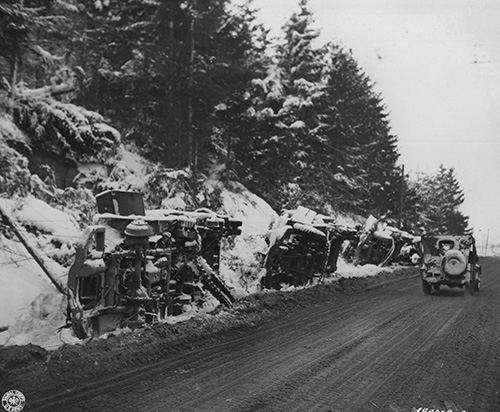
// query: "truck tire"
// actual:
[[426, 287], [477, 285], [470, 287]]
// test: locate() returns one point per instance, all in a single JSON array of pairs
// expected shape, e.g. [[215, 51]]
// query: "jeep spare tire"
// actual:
[[454, 263]]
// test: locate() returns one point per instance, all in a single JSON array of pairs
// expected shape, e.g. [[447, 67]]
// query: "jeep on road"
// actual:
[[449, 260]]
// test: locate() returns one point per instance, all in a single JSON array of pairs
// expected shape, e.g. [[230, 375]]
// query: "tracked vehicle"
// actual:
[[134, 267]]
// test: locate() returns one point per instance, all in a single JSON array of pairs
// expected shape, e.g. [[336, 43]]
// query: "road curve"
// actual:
[[388, 349]]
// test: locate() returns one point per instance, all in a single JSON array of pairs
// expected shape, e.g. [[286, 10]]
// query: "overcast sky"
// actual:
[[437, 65]]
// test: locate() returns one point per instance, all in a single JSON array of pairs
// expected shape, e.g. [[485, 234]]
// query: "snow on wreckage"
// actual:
[[304, 244], [378, 243], [170, 272], [135, 266]]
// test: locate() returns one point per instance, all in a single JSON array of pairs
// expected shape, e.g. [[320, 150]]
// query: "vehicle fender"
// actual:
[[309, 230]]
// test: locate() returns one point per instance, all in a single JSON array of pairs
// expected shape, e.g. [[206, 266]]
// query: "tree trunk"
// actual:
[[228, 156], [192, 155], [401, 196], [14, 71], [172, 121]]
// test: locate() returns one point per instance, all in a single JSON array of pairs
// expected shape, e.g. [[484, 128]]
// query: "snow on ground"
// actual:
[[241, 263], [33, 309], [129, 171], [30, 305], [348, 270], [37, 213], [344, 270], [177, 202], [9, 131], [348, 220]]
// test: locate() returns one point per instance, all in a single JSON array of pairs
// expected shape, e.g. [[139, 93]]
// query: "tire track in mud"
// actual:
[[358, 384], [442, 316], [204, 356], [460, 370], [336, 370], [391, 348], [292, 362]]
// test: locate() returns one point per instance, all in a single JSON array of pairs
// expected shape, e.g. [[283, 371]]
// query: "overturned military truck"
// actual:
[[302, 244], [134, 267], [381, 244]]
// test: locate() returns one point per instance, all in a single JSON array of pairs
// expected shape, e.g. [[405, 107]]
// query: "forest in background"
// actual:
[[199, 85]]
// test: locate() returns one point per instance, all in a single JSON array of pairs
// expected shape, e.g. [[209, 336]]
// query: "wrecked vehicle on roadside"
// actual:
[[134, 267], [451, 261], [381, 244], [301, 245]]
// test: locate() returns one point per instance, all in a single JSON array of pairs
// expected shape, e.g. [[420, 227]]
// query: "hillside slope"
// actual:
[[54, 216]]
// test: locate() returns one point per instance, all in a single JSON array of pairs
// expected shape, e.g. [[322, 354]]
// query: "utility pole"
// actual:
[[487, 240], [401, 196]]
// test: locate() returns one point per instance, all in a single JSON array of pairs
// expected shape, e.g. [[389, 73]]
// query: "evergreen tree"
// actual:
[[24, 58], [364, 152], [283, 142], [194, 84], [442, 197], [246, 43], [318, 133], [162, 70]]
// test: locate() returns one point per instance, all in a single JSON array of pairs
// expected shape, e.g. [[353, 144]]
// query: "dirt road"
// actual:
[[387, 349]]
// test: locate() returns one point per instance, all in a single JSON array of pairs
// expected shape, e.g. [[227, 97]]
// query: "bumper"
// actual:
[[442, 279]]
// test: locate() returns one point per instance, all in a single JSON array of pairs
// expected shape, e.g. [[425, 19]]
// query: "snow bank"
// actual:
[[177, 202], [35, 212], [30, 305], [254, 211], [348, 270], [348, 220], [9, 132], [33, 309], [241, 260], [129, 171]]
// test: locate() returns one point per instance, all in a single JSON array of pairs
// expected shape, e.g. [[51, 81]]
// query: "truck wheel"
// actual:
[[477, 284], [470, 287], [426, 287]]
